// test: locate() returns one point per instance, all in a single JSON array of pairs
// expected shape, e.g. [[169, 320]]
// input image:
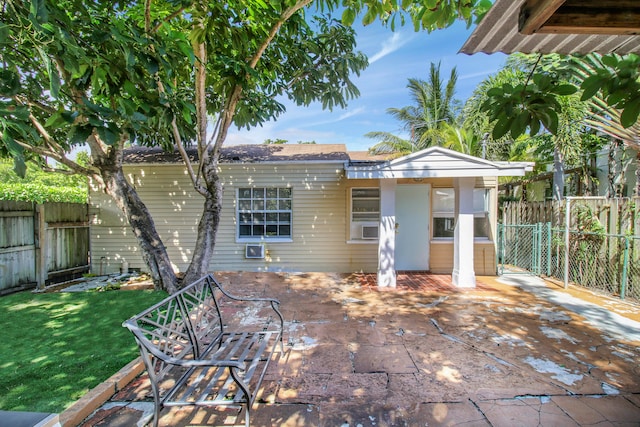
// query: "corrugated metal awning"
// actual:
[[498, 32]]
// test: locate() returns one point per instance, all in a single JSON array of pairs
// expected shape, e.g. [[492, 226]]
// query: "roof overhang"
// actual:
[[437, 162], [558, 26]]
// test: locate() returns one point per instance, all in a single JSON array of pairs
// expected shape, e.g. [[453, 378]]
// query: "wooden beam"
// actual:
[[620, 17], [534, 13]]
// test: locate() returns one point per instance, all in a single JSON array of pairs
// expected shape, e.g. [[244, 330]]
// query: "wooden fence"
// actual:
[[41, 243], [617, 216]]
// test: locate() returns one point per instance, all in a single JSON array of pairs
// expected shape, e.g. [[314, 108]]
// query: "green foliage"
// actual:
[[618, 78], [39, 186], [277, 141], [73, 70], [428, 15], [536, 104], [529, 105], [61, 345]]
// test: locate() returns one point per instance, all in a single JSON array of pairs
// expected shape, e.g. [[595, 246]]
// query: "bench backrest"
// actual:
[[183, 326]]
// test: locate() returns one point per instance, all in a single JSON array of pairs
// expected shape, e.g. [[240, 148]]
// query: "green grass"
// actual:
[[57, 346]]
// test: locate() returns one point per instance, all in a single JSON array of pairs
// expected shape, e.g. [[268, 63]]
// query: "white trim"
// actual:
[[437, 162]]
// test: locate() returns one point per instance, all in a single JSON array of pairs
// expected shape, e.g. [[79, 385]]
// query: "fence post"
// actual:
[[567, 225], [549, 237], [41, 247], [536, 255], [625, 268]]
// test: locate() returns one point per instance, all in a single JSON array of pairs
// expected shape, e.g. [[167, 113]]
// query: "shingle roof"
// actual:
[[250, 153], [498, 32]]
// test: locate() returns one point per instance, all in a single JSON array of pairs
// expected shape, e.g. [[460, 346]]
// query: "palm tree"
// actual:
[[434, 105], [462, 139]]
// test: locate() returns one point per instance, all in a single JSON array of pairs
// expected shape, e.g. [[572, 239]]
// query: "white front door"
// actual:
[[412, 227]]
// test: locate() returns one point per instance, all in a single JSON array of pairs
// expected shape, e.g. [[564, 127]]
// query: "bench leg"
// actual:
[[156, 415], [246, 416]]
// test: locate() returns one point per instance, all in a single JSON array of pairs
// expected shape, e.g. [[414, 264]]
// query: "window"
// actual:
[[365, 213], [481, 213], [264, 213], [443, 209]]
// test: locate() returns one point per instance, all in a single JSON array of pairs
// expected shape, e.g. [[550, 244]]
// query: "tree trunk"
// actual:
[[612, 176], [558, 175], [152, 249], [208, 225]]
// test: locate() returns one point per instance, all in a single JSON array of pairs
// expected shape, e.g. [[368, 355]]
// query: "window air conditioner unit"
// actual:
[[254, 251], [369, 231]]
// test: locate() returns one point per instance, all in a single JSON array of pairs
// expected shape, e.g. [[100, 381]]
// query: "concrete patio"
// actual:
[[508, 353]]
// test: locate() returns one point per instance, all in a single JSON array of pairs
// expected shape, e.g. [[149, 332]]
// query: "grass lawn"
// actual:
[[57, 346]]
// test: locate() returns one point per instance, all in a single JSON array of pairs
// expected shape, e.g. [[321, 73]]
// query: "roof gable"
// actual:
[[438, 162]]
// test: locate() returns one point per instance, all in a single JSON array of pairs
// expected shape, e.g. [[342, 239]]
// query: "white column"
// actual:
[[387, 235], [463, 273]]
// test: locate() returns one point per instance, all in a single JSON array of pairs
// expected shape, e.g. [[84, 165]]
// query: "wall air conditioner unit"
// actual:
[[369, 231], [254, 251]]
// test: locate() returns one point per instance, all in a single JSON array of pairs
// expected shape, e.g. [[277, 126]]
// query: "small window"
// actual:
[[264, 212], [365, 213], [481, 226], [443, 209]]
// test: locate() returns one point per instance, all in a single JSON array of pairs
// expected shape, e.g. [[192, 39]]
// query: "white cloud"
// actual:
[[389, 45], [351, 113]]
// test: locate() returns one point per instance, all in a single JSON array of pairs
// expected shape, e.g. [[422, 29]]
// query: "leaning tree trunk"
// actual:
[[153, 251], [207, 227]]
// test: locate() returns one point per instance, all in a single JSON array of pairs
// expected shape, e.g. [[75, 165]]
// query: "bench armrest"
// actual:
[[275, 304]]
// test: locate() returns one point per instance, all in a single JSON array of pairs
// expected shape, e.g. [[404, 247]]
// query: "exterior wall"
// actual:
[[484, 256], [320, 217]]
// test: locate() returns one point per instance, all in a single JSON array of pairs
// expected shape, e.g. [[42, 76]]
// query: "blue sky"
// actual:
[[394, 57]]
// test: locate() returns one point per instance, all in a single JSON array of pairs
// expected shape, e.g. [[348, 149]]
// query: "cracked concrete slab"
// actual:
[[501, 355]]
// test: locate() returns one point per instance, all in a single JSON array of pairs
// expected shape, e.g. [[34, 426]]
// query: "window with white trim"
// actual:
[[365, 213], [442, 209], [264, 213], [443, 212]]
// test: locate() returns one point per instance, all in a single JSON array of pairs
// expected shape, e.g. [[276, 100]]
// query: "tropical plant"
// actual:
[[534, 106], [604, 117], [433, 107], [463, 139], [536, 93]]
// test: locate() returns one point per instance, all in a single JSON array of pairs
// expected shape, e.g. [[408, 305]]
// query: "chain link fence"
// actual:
[[608, 263]]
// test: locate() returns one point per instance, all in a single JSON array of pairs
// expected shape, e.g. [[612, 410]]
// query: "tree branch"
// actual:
[[58, 157], [161, 89], [234, 97]]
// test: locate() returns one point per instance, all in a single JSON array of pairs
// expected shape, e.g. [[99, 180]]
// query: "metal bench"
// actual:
[[194, 358]]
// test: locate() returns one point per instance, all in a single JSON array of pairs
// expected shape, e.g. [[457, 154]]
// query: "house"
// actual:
[[308, 207]]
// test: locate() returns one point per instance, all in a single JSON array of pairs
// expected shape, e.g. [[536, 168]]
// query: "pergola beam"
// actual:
[[615, 17], [534, 13]]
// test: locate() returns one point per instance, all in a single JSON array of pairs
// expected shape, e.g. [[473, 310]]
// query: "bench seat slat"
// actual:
[[204, 383]]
